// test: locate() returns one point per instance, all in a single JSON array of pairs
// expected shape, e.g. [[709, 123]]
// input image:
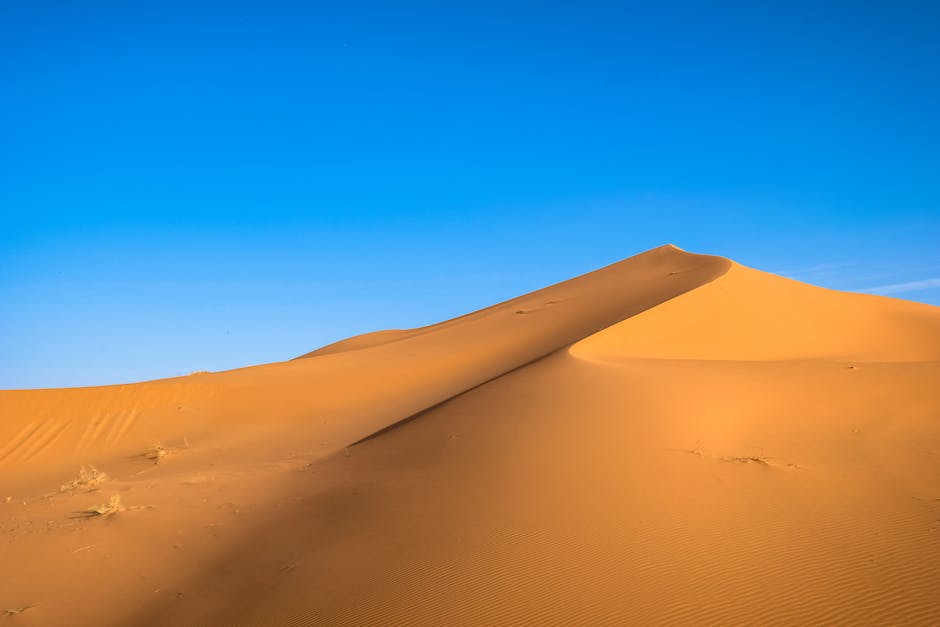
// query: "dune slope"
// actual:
[[672, 439]]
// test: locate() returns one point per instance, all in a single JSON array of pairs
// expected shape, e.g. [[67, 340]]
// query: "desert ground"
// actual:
[[672, 439]]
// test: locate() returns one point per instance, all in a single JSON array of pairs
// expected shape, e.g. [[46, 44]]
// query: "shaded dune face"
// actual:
[[672, 439]]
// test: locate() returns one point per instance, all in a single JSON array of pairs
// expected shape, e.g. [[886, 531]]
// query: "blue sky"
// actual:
[[189, 186]]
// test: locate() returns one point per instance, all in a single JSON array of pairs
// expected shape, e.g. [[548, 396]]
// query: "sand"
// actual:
[[673, 439]]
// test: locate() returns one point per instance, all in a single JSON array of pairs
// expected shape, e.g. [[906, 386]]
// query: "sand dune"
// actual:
[[673, 439]]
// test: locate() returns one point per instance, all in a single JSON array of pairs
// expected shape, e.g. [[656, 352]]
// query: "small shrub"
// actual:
[[112, 507], [89, 477]]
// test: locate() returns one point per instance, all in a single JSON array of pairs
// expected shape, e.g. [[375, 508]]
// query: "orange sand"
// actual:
[[673, 439]]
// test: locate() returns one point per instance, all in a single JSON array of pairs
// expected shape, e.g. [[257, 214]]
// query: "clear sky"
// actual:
[[197, 185]]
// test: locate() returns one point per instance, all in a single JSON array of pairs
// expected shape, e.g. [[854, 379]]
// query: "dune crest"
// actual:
[[671, 439]]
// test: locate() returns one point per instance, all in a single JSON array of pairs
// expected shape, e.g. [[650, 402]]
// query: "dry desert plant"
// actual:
[[112, 507], [89, 477], [748, 459], [158, 452], [13, 611]]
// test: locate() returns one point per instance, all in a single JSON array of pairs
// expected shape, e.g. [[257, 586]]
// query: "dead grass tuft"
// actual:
[[157, 453], [748, 459], [13, 611], [112, 507], [700, 451], [89, 477]]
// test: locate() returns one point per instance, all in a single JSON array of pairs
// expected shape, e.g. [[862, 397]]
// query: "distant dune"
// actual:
[[672, 439]]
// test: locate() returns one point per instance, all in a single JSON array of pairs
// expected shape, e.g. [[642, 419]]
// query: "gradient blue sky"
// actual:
[[197, 185]]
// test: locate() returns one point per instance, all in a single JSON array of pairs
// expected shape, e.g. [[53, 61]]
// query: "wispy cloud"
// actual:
[[902, 288], [821, 270]]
